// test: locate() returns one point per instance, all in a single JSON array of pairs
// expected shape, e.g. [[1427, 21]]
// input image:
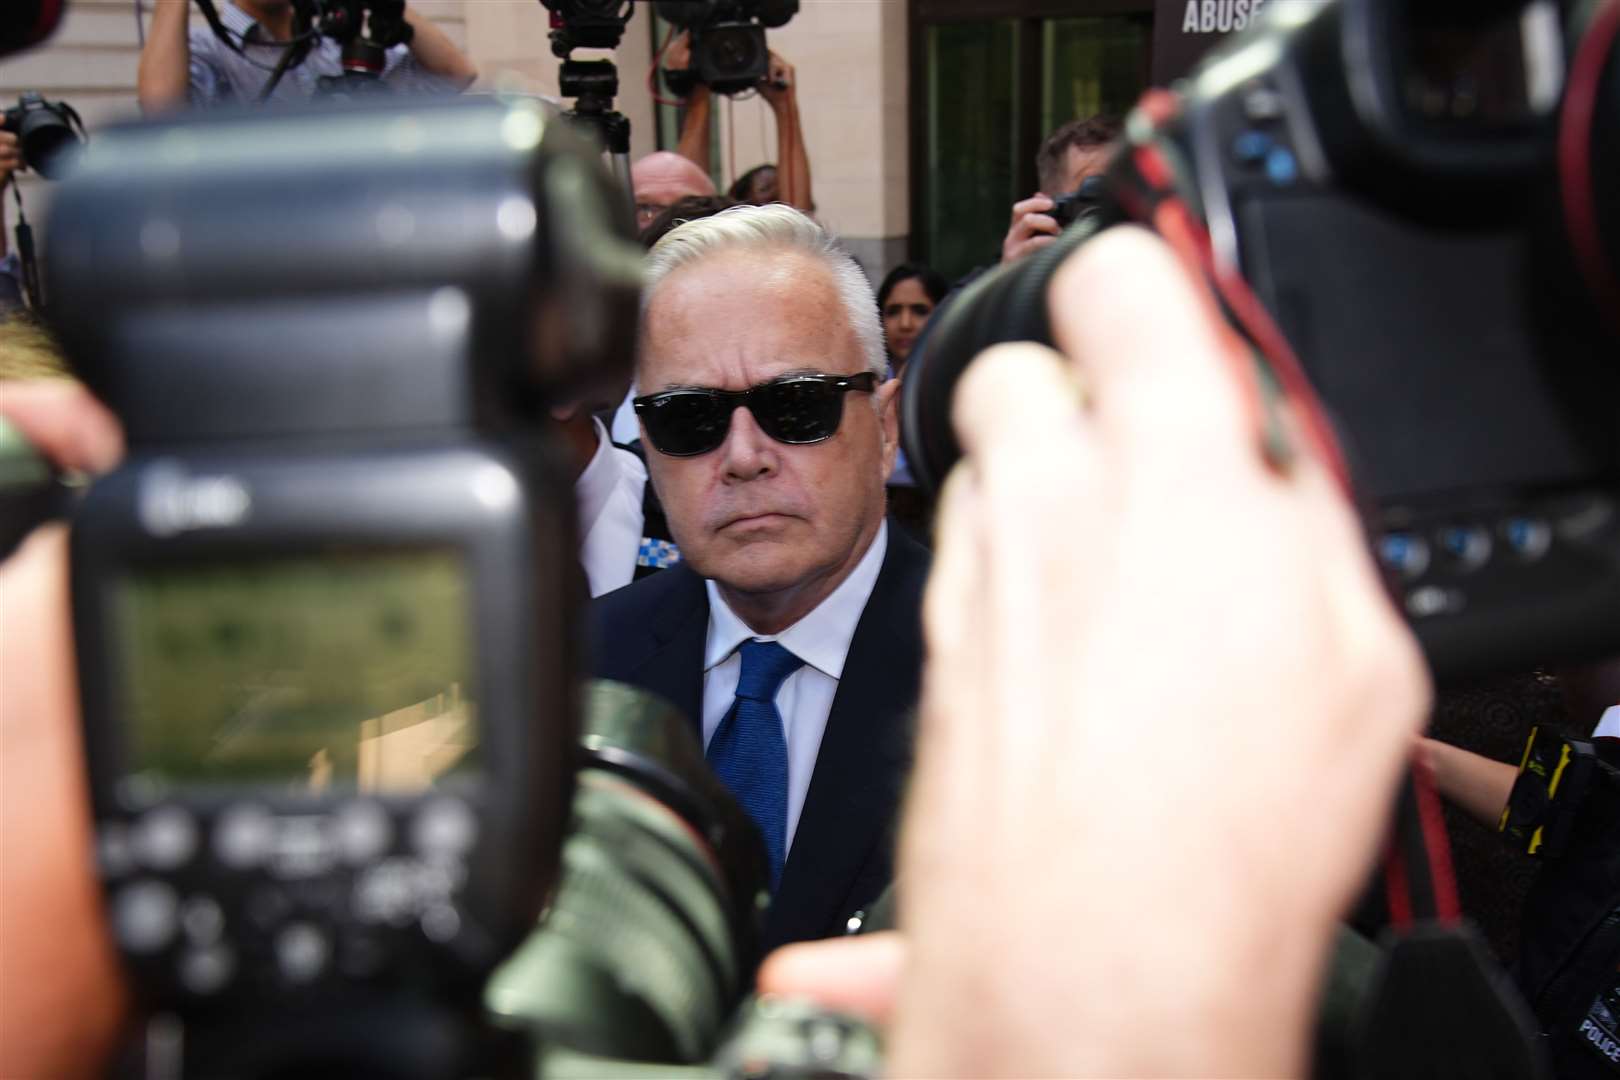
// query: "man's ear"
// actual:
[[887, 400]]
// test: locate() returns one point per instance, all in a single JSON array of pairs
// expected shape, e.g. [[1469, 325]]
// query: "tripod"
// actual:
[[593, 84]]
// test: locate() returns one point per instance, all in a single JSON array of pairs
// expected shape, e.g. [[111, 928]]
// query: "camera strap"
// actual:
[[27, 259], [211, 16]]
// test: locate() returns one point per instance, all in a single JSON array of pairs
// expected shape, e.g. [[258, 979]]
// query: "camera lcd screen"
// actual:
[[1420, 341], [331, 672]]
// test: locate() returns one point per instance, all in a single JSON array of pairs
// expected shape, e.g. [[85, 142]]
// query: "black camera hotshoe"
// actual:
[[1424, 199], [324, 611]]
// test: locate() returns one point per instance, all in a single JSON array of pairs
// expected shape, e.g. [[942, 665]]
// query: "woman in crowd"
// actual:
[[906, 300]]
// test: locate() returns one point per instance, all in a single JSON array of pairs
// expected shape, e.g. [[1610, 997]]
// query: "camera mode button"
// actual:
[[206, 971], [1527, 537], [243, 836], [145, 916], [444, 827], [166, 838], [1404, 553], [1251, 147], [301, 952], [1467, 547], [363, 832]]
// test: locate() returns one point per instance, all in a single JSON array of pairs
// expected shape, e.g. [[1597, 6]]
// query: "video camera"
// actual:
[[729, 54], [49, 133], [1425, 198]]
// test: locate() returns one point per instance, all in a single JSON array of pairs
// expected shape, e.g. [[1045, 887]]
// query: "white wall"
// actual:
[[850, 56]]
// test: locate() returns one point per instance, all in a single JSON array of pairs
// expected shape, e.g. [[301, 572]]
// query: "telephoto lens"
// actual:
[[650, 941]]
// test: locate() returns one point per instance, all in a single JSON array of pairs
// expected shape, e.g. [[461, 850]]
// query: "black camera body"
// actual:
[[729, 54], [1386, 177], [324, 611], [49, 133]]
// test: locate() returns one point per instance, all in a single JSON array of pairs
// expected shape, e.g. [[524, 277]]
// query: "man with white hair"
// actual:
[[790, 631]]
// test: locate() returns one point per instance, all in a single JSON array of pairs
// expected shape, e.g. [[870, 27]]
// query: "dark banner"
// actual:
[[1183, 30]]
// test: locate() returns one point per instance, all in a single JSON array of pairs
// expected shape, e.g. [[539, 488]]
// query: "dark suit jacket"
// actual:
[[651, 634]]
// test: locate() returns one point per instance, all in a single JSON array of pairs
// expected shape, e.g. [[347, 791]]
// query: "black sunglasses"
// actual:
[[795, 409]]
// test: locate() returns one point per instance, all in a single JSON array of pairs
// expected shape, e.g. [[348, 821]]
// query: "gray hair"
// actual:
[[774, 228]]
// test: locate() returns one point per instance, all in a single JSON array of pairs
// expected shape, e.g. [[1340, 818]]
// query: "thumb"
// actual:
[[858, 975]]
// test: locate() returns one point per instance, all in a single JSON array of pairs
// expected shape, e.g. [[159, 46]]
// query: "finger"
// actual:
[[1041, 223], [859, 975], [1033, 205], [1014, 393], [65, 422], [1031, 245], [1154, 350]]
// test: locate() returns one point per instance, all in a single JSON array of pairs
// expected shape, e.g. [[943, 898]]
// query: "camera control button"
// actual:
[[301, 952], [1467, 547], [145, 916], [303, 848], [206, 971], [1251, 147], [1262, 103], [363, 832], [202, 920], [1282, 168], [441, 923], [166, 838], [1404, 553], [1527, 537], [444, 827], [243, 836], [115, 853]]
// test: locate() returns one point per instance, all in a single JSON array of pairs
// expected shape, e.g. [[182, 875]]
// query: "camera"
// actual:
[[1422, 197], [49, 133], [1070, 208], [728, 39], [324, 612]]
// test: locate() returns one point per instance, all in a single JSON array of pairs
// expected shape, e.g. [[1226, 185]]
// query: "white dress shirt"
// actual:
[[1608, 724], [821, 639], [609, 492]]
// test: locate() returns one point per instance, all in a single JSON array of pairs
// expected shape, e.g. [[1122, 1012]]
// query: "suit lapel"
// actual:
[[673, 664], [850, 808]]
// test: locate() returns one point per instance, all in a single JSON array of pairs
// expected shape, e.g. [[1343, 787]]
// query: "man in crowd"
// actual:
[[663, 178], [1074, 152], [180, 65], [790, 630]]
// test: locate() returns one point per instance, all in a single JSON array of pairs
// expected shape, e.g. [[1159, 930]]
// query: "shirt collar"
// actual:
[[821, 639], [243, 25], [596, 484]]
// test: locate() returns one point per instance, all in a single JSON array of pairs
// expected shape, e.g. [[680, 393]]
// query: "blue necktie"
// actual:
[[749, 750]]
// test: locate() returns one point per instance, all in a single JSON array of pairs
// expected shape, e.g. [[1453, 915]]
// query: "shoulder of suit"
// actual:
[[640, 599]]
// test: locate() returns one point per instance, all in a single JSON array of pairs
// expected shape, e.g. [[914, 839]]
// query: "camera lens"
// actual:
[[652, 937], [49, 145]]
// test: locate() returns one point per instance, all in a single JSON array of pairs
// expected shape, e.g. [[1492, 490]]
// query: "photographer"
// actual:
[[180, 65], [1075, 151], [1046, 663], [11, 290], [788, 181]]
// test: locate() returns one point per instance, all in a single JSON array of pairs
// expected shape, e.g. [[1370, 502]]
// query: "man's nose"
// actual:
[[749, 452]]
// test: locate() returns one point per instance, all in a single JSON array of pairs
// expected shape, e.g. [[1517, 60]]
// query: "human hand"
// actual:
[[779, 83], [10, 156], [678, 53], [855, 975], [1031, 229], [1165, 707], [60, 980]]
